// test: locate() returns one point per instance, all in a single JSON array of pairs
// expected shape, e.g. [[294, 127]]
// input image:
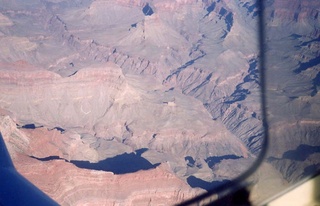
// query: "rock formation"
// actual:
[[173, 85], [70, 185]]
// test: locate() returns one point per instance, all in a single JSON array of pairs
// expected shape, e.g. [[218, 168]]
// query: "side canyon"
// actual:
[[134, 102]]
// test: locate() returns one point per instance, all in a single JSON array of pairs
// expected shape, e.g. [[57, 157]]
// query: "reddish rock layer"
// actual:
[[294, 10], [69, 185]]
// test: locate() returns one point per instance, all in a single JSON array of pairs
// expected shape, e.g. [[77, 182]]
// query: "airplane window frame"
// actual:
[[227, 192]]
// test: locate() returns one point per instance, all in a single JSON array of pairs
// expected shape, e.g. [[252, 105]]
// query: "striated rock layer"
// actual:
[[161, 82], [70, 185]]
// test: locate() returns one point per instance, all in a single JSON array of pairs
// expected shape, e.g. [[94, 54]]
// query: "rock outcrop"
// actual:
[[297, 11], [292, 36], [170, 83], [70, 185]]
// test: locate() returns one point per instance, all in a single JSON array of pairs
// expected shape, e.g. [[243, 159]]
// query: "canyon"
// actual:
[[154, 102]]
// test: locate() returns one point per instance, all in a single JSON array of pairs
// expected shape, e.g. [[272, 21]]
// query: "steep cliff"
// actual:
[[158, 82]]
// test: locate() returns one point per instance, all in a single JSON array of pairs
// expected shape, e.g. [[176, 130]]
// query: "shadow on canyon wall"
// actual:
[[197, 182], [120, 164]]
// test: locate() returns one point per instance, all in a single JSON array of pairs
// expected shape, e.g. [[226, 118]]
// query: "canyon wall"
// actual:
[[174, 85]]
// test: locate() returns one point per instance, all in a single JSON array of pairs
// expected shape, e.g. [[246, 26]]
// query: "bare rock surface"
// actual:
[[70, 185], [169, 83], [292, 36]]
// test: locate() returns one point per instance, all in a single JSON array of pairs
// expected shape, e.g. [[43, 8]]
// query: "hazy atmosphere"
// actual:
[[136, 102]]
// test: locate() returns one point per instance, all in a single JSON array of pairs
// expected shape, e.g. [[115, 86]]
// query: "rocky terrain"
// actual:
[[158, 93], [292, 37], [67, 183]]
